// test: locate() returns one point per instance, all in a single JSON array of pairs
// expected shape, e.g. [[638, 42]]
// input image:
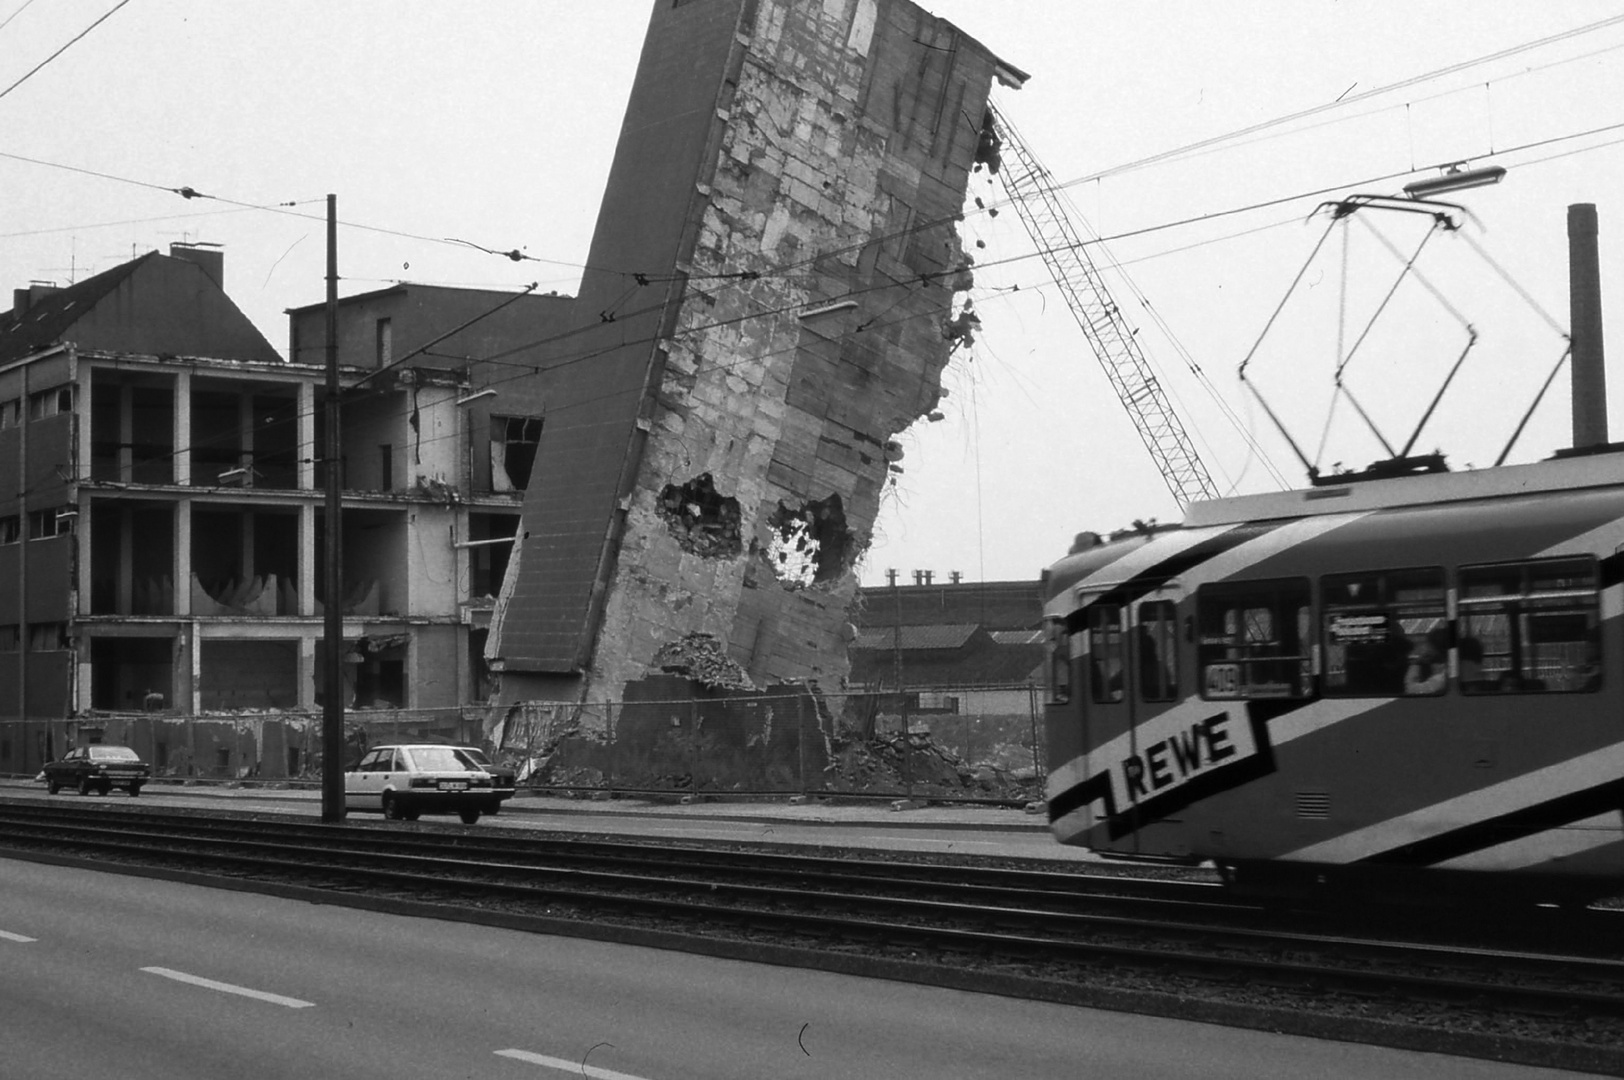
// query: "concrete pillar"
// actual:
[[307, 437], [183, 433], [307, 671], [307, 560], [245, 436], [182, 572], [126, 434]]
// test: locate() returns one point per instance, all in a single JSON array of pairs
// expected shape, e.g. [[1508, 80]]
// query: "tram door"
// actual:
[[1132, 672], [1108, 707]]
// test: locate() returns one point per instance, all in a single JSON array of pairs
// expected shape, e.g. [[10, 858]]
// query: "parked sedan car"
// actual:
[[97, 769], [504, 777], [407, 780]]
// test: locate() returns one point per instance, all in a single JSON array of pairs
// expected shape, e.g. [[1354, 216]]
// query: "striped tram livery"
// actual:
[[1405, 683]]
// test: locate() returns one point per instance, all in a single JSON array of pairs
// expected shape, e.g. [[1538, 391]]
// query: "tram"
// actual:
[[1405, 685]]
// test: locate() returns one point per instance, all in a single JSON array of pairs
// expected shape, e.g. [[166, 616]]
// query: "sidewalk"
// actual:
[[889, 812]]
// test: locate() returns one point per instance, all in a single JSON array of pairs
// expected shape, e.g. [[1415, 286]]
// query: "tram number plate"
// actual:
[[1223, 680], [453, 785]]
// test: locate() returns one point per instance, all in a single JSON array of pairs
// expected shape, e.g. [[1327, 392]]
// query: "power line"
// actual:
[[1437, 73], [30, 73]]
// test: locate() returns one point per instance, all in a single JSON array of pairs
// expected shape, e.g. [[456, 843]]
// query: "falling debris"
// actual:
[[701, 658]]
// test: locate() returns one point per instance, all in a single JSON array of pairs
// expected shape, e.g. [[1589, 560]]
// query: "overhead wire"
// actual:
[[189, 193], [31, 72]]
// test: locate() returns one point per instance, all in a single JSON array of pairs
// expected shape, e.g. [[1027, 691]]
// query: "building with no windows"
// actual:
[[773, 292]]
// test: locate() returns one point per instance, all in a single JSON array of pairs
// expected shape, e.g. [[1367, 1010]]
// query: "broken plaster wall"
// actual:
[[810, 333]]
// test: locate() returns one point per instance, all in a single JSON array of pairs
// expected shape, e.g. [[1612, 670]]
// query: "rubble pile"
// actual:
[[892, 763], [700, 657]]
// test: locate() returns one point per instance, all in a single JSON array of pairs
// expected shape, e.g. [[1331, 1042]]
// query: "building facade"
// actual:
[[161, 545], [770, 299]]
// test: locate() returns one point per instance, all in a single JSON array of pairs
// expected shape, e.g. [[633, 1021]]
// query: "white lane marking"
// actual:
[[566, 1066], [8, 936], [227, 988]]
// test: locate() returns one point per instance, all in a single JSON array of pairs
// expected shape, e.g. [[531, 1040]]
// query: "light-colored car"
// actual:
[[505, 777], [410, 779]]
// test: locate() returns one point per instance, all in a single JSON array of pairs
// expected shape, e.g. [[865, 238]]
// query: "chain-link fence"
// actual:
[[959, 743]]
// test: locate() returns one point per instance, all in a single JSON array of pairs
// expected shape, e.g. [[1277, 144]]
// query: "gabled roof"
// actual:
[[156, 304], [49, 318]]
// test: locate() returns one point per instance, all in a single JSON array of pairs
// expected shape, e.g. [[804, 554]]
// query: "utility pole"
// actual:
[[332, 642]]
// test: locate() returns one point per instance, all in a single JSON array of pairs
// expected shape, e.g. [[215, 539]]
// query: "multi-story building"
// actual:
[[162, 521]]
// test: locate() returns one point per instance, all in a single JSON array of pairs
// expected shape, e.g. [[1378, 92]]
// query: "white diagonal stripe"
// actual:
[[1517, 793], [575, 1068], [8, 936], [228, 988]]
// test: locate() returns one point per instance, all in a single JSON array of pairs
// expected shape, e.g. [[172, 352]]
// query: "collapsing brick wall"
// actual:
[[814, 326]]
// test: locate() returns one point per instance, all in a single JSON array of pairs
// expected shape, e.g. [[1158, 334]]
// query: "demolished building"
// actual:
[[771, 298]]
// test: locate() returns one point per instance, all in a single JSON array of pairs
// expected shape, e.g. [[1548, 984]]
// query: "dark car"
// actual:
[[97, 769], [504, 777]]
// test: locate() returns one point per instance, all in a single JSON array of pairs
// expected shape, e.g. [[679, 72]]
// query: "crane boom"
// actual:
[[1047, 216]]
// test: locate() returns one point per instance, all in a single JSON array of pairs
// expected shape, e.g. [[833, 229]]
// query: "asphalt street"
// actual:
[[105, 974]]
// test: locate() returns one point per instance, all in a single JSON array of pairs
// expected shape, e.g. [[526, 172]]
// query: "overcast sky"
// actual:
[[495, 123]]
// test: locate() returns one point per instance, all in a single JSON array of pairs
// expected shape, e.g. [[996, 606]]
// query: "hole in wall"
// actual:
[[704, 521], [810, 543]]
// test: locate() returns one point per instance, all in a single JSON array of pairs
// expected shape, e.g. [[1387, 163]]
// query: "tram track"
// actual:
[[1046, 930]]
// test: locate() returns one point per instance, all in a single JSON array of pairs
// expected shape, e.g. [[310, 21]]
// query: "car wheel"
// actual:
[[104, 787], [412, 815], [135, 789], [84, 786], [469, 817], [52, 787], [391, 808], [495, 809]]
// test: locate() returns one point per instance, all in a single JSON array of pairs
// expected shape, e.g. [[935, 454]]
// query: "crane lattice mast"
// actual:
[[1048, 218]]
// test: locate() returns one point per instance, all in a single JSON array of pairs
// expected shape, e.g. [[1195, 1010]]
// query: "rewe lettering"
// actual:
[[1178, 758]]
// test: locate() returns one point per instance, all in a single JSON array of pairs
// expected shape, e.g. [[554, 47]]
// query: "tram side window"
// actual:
[[1105, 653], [1059, 664], [1254, 640], [1386, 633], [1529, 628], [1158, 652]]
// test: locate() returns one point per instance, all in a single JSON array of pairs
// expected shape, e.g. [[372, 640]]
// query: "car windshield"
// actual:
[[442, 759], [478, 756], [113, 753]]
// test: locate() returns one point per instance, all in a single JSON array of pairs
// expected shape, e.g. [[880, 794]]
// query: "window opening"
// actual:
[[1386, 633], [57, 521], [513, 451], [1253, 640], [1158, 651], [1105, 653], [48, 403], [1530, 628], [1059, 658]]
